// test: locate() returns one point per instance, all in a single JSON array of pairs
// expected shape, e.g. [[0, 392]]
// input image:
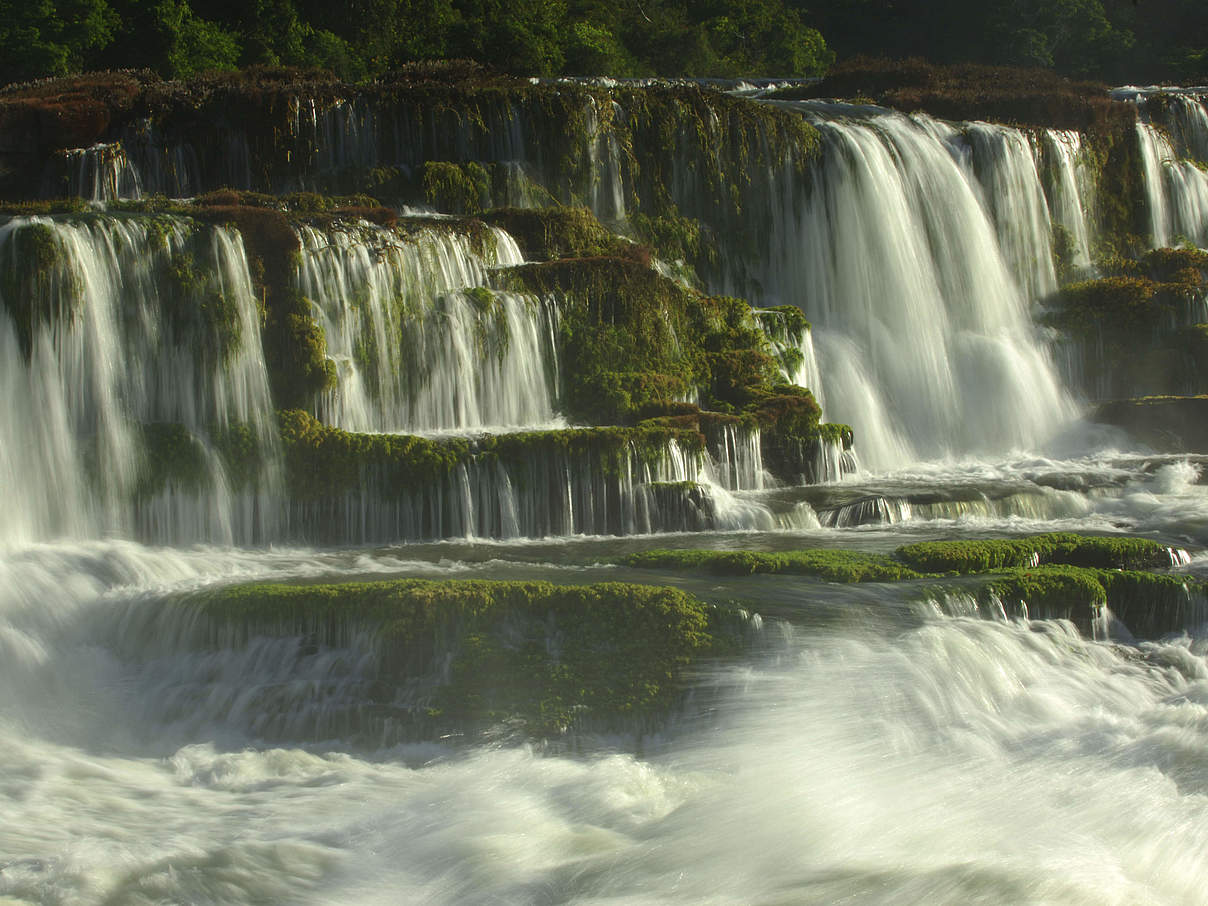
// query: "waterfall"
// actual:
[[1068, 188], [607, 193], [551, 490], [794, 350], [1180, 113], [925, 339], [110, 324], [1003, 161], [1188, 123], [102, 172], [419, 341], [736, 450], [1176, 192]]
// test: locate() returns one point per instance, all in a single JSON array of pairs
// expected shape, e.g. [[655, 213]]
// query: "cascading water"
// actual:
[[1068, 187], [925, 341], [551, 492], [739, 460], [1180, 113], [101, 173], [419, 341], [1176, 192], [111, 324], [1003, 162], [882, 742], [794, 350]]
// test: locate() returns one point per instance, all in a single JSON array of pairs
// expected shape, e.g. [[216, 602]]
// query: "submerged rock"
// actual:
[[463, 656]]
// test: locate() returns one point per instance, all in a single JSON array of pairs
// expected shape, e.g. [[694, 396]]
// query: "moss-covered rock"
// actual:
[[792, 433], [1104, 552], [972, 91], [831, 565], [636, 344], [172, 457], [323, 462], [294, 345], [544, 234], [1149, 605], [607, 656], [1132, 331], [456, 188], [37, 284]]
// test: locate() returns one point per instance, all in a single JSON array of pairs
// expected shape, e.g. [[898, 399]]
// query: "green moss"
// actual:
[[172, 457], [1131, 327], [37, 284], [1150, 605], [457, 188], [563, 232], [674, 237], [324, 462], [791, 431], [1175, 265], [1117, 303], [635, 344], [929, 558], [201, 313], [784, 323], [327, 462], [1052, 592], [553, 657], [43, 208], [831, 565], [1108, 552], [620, 332], [1113, 154]]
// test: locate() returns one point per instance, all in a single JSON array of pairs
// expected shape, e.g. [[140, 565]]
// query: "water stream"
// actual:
[[879, 743]]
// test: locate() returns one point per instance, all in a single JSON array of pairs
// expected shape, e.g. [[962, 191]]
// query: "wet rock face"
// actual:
[[1168, 424]]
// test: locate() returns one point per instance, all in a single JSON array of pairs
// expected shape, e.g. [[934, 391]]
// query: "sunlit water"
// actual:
[[872, 746], [868, 751]]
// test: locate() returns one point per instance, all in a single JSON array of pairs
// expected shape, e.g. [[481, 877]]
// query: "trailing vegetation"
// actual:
[[544, 234], [552, 657]]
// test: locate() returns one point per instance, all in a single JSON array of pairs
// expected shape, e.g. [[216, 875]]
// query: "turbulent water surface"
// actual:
[[878, 748], [878, 743]]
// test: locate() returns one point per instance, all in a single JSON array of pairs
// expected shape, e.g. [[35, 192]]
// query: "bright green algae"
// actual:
[[1148, 604], [1109, 552], [831, 565], [548, 656], [1059, 575], [916, 561]]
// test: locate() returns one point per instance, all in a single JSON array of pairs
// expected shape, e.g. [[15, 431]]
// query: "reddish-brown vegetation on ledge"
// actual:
[[1027, 97]]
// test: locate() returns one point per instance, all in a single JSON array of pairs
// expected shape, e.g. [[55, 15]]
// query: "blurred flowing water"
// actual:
[[879, 743]]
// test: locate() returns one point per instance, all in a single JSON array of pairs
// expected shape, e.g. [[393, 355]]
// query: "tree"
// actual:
[[42, 37]]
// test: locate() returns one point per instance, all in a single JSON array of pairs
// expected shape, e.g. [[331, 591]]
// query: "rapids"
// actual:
[[879, 743]]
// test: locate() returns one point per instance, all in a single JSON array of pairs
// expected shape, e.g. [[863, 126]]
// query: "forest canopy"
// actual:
[[1112, 40]]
